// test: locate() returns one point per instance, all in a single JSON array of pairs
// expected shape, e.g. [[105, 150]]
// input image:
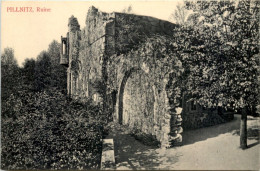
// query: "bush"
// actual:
[[46, 130], [146, 139]]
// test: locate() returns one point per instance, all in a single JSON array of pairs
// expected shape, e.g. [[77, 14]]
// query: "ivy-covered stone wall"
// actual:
[[115, 54], [129, 63], [105, 35], [131, 30], [138, 100], [148, 93]]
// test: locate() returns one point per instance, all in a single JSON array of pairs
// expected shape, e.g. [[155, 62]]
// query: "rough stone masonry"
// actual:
[[100, 67]]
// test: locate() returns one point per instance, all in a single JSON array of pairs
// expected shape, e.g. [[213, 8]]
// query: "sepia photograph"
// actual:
[[130, 85]]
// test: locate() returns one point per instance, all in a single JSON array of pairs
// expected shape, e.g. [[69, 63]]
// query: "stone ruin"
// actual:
[[136, 98]]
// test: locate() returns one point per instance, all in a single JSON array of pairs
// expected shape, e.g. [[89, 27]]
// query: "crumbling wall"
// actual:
[[93, 55], [74, 62], [142, 99], [124, 55], [89, 49], [103, 47], [105, 35]]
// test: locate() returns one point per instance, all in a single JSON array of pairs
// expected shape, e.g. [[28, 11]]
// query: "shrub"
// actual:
[[146, 139], [47, 130]]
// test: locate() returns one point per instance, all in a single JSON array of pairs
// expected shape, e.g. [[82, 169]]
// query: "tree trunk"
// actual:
[[243, 129]]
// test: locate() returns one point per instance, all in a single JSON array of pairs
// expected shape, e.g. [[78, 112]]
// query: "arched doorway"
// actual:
[[121, 94], [136, 101]]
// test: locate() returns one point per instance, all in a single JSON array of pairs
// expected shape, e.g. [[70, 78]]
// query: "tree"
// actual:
[[7, 58], [58, 72], [221, 55], [128, 9], [43, 71], [28, 72], [179, 16], [9, 73], [48, 72]]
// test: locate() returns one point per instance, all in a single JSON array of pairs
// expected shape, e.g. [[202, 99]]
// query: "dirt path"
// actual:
[[214, 147]]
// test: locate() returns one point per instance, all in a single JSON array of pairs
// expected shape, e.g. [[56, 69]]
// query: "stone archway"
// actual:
[[156, 117], [136, 101], [121, 94]]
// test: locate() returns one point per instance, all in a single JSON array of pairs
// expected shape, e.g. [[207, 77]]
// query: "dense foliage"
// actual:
[[9, 73], [156, 55], [35, 75], [41, 128], [179, 16], [221, 54], [48, 73], [47, 130]]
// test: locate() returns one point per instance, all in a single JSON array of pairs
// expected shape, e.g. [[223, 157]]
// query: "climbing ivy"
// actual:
[[157, 57]]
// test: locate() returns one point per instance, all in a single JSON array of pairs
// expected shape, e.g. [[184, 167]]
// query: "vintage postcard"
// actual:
[[130, 85]]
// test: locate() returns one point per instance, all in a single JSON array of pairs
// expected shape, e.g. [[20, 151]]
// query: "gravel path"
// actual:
[[215, 147]]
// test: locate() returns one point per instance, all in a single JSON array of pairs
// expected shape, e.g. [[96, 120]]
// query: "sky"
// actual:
[[29, 33]]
